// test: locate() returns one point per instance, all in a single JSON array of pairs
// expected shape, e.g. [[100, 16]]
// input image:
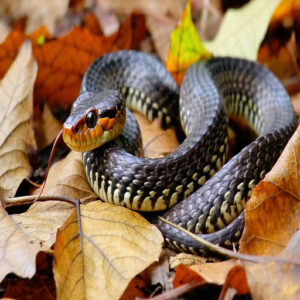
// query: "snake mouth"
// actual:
[[79, 137]]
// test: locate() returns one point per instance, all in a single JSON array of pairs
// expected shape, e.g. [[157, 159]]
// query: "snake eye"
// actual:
[[91, 119], [109, 114]]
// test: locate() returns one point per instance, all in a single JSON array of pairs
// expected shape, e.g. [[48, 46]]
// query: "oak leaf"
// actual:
[[16, 126], [242, 30], [113, 246], [272, 213], [185, 46]]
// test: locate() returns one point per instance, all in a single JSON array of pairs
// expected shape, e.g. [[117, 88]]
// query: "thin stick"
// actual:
[[49, 164], [17, 201], [228, 253]]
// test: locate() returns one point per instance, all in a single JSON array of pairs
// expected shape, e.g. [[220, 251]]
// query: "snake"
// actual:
[[194, 185]]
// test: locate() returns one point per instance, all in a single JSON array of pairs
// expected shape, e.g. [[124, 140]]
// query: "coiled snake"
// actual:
[[213, 200]]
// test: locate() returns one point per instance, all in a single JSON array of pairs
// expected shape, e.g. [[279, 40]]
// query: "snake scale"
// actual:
[[213, 196]]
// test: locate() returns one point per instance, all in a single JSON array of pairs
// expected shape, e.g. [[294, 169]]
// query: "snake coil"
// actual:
[[214, 197]]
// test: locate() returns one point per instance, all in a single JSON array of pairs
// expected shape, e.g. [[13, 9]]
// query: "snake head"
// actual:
[[96, 118]]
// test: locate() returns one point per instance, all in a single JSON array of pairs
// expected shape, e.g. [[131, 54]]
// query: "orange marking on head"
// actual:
[[82, 137], [98, 130], [93, 134], [111, 123], [104, 122], [88, 137]]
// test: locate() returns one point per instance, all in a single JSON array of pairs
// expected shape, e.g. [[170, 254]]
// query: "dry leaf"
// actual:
[[24, 235], [296, 103], [274, 279], [160, 30], [116, 244], [4, 30], [242, 30], [46, 128], [40, 222], [67, 178], [16, 127], [38, 12], [17, 253], [272, 213], [185, 275], [63, 61], [188, 260], [154, 7], [156, 141], [41, 286]]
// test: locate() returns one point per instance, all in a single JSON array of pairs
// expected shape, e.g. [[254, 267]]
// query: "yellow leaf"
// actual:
[[115, 245], [186, 46], [16, 129], [242, 30]]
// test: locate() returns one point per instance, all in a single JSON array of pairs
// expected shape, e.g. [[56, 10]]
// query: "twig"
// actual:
[[17, 201], [228, 253]]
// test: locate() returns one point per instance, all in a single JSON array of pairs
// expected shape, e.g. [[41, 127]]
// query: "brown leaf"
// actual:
[[37, 13], [184, 275], [16, 128], [67, 178], [230, 273], [188, 260], [156, 141], [296, 103], [154, 7], [63, 61], [236, 279], [40, 222], [41, 286], [272, 213], [17, 254], [116, 244], [46, 128], [161, 30], [24, 235], [277, 280]]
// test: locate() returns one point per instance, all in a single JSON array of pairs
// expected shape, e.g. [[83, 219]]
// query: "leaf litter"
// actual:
[[35, 229]]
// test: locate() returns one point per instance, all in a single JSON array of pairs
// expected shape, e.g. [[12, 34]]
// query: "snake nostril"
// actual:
[[76, 129]]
